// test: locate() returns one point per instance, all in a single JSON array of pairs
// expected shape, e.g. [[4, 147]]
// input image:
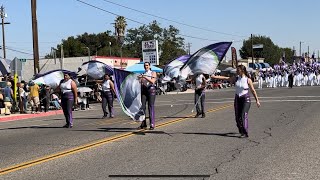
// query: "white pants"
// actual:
[[260, 82]]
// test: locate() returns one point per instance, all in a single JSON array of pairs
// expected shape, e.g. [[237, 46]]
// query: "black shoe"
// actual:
[[151, 128], [244, 136], [66, 126], [104, 116], [142, 127], [203, 115], [197, 115]]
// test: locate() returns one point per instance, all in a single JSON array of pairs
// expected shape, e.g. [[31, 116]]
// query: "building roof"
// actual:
[[114, 57]]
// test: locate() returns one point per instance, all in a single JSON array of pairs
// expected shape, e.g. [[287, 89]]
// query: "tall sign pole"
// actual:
[[35, 36]]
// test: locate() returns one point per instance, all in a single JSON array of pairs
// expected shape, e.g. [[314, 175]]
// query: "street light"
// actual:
[[109, 48], [3, 15], [88, 52], [97, 49]]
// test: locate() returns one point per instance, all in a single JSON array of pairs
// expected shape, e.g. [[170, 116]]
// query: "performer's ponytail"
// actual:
[[244, 70]]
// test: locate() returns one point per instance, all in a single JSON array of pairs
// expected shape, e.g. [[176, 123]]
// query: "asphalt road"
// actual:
[[284, 141]]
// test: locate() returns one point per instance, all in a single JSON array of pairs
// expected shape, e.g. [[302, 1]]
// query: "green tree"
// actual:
[[97, 43], [271, 52], [135, 36], [288, 52], [170, 43]]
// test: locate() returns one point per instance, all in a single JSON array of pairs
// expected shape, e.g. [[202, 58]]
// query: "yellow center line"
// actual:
[[93, 144], [103, 121], [108, 123]]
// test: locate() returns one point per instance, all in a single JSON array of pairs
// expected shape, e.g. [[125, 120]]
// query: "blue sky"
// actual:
[[287, 22]]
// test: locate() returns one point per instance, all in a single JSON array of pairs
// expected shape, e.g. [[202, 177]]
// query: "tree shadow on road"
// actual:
[[121, 130], [111, 130], [32, 127], [150, 132], [231, 134], [184, 117]]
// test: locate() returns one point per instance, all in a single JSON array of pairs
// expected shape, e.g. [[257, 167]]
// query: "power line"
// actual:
[[19, 51], [199, 38], [174, 21], [108, 11], [22, 52], [48, 42]]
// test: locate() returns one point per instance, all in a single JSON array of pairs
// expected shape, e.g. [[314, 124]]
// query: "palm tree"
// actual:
[[120, 26]]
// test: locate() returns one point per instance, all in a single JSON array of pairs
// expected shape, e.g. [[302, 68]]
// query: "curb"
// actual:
[[28, 116]]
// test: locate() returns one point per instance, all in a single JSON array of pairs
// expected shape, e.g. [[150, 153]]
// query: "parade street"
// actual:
[[283, 143]]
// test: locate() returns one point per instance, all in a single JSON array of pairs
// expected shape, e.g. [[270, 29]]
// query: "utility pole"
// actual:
[[61, 56], [308, 55], [293, 54], [188, 48], [54, 54], [300, 50], [252, 50], [293, 51], [3, 15], [35, 36]]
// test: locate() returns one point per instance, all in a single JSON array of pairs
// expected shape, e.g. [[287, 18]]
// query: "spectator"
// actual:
[[22, 99], [26, 93], [46, 97], [8, 92], [56, 101], [34, 97]]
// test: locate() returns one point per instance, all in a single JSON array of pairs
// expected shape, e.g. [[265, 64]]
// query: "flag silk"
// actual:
[[53, 78], [172, 69], [95, 69], [205, 60], [128, 91]]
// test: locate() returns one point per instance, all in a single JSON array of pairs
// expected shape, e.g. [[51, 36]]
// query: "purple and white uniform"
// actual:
[[242, 104]]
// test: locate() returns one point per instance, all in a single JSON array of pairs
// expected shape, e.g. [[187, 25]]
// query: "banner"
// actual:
[[234, 57]]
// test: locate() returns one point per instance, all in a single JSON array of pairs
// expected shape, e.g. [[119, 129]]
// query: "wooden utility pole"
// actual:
[[3, 15], [252, 51], [35, 36]]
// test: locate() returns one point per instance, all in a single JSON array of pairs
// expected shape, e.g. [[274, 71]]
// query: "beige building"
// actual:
[[72, 64]]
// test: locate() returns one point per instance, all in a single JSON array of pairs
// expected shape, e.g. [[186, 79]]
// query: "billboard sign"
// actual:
[[150, 52]]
